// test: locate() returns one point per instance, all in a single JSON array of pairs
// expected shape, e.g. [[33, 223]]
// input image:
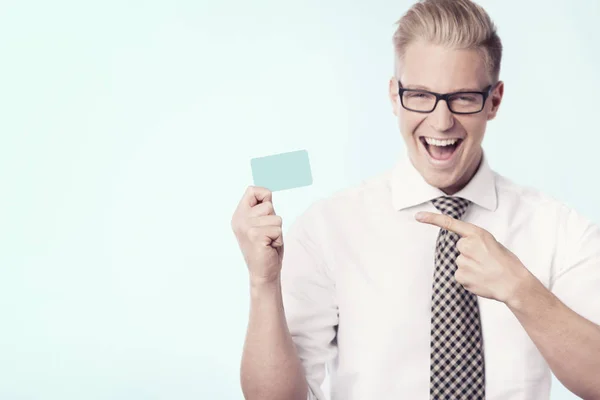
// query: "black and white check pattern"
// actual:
[[457, 363]]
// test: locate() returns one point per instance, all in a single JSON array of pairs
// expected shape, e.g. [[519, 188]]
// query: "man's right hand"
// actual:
[[259, 234]]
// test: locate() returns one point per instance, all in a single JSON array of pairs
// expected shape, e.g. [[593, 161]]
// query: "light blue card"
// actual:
[[282, 171]]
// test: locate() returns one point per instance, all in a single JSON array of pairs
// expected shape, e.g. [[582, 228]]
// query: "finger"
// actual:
[[466, 263], [464, 276], [266, 235], [459, 275], [265, 208], [446, 222], [467, 246], [464, 281], [257, 194], [266, 220]]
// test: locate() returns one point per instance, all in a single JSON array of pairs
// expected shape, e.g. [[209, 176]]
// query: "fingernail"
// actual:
[[419, 216]]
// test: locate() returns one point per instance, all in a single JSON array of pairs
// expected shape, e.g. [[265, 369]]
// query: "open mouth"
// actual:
[[441, 150]]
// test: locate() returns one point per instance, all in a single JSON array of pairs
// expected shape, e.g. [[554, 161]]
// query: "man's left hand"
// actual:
[[485, 267]]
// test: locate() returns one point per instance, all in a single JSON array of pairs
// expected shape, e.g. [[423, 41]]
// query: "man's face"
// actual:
[[437, 69]]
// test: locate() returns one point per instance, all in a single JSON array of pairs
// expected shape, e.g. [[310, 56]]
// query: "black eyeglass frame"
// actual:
[[485, 93]]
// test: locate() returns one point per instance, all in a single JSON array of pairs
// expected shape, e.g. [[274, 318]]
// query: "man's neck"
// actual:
[[463, 181]]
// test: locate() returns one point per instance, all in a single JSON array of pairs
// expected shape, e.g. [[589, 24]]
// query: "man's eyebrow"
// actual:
[[421, 87]]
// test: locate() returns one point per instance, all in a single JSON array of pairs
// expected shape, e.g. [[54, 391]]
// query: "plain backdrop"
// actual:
[[126, 133]]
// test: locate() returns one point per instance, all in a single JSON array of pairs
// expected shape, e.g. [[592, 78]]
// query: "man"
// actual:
[[438, 279]]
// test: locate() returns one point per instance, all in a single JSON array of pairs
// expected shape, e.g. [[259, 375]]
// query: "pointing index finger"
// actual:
[[446, 222]]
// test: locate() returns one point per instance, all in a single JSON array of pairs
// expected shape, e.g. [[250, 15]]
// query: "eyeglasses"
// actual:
[[423, 101]]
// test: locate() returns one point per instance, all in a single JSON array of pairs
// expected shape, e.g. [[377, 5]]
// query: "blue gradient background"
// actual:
[[126, 132]]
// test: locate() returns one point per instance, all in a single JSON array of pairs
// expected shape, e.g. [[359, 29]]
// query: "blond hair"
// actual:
[[459, 24]]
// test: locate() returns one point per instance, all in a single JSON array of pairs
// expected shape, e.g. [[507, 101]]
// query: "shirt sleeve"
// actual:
[[309, 298], [576, 281]]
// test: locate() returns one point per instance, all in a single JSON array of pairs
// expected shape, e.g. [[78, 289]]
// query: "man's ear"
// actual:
[[496, 99], [393, 94]]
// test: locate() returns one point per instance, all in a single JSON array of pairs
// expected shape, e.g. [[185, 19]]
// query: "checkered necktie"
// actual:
[[457, 364]]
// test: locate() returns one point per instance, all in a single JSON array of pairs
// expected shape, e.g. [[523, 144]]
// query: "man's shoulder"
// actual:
[[373, 191], [539, 203], [525, 194], [375, 188], [375, 185]]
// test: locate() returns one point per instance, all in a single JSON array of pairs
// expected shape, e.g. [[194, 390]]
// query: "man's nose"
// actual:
[[441, 119]]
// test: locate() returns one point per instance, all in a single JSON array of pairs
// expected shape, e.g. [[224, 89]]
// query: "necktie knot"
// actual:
[[452, 206]]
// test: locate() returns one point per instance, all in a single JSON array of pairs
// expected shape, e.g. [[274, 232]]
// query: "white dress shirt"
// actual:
[[357, 281]]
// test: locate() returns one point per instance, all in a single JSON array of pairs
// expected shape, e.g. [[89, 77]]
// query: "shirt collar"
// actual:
[[409, 188]]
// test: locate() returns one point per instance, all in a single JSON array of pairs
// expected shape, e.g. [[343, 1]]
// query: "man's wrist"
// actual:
[[528, 296], [264, 285], [522, 289]]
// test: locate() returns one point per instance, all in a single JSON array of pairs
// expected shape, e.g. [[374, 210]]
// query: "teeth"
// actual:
[[445, 142]]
